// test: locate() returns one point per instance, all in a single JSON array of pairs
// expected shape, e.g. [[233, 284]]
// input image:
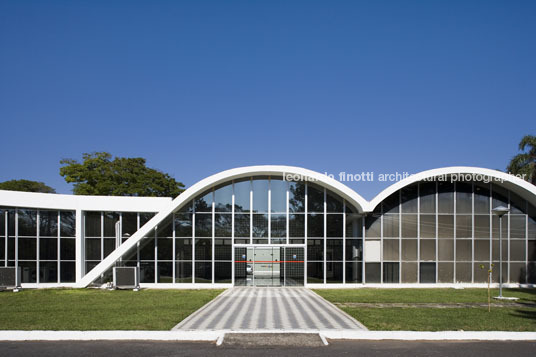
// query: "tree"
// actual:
[[26, 186], [98, 174], [525, 163]]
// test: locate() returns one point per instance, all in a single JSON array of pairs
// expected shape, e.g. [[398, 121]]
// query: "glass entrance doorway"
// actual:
[[269, 266]]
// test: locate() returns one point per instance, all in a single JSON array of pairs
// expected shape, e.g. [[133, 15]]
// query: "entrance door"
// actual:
[[269, 266]]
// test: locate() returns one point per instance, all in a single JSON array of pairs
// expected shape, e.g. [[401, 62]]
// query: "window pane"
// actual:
[[428, 226], [27, 223], [93, 249], [464, 250], [391, 273], [482, 223], [409, 226], [242, 224], [242, 191], [445, 198], [427, 192], [517, 226], [203, 249], [391, 203], [517, 250], [409, 272], [334, 204], [354, 227], [409, 249], [297, 225], [390, 249], [278, 192], [315, 198], [164, 273], [390, 225], [445, 249], [260, 225], [315, 273], [353, 272], [464, 201], [223, 225], [183, 224], [427, 273], [315, 249], [48, 223], [203, 224], [48, 272], [48, 248], [482, 198], [517, 204], [68, 272], [463, 272], [110, 219], [183, 249], [372, 226], [183, 272], [223, 199], [334, 249], [223, 273], [204, 202], [445, 226], [354, 249], [335, 225], [315, 225], [334, 273], [279, 225], [223, 249], [67, 249], [165, 248], [445, 272], [297, 197], [372, 273], [129, 223], [409, 199], [260, 195], [27, 248], [147, 247], [464, 226], [482, 249], [427, 249]]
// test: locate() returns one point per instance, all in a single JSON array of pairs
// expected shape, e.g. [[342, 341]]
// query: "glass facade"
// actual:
[[443, 232], [40, 242], [197, 245], [263, 230]]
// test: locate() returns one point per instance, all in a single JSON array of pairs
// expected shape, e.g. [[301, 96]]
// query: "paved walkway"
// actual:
[[243, 308]]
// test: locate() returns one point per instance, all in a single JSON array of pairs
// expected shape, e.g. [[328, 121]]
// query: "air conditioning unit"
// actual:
[[10, 277], [126, 278]]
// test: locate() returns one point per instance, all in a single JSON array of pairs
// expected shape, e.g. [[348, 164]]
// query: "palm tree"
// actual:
[[525, 163]]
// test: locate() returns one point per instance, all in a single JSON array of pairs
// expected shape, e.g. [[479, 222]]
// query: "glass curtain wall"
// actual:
[[199, 238], [438, 231], [40, 242]]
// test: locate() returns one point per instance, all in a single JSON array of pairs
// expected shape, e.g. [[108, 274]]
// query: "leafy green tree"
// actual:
[[525, 163], [99, 174], [26, 186]]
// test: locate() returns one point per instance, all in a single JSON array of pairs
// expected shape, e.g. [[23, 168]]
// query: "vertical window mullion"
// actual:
[[37, 250]]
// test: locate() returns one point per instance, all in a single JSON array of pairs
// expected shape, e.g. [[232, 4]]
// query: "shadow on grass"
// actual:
[[528, 311]]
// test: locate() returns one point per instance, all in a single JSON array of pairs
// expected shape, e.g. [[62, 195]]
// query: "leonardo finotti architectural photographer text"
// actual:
[[370, 176]]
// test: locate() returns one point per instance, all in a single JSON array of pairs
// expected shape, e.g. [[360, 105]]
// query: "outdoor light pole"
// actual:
[[500, 212]]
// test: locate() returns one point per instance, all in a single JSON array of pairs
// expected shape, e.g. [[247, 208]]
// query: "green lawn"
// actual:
[[477, 318], [92, 309]]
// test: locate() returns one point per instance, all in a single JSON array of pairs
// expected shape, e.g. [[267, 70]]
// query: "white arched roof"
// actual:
[[508, 181]]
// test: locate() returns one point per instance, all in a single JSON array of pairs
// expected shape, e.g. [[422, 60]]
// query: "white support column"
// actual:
[[58, 252], [37, 257], [325, 239], [79, 246], [305, 235], [344, 242]]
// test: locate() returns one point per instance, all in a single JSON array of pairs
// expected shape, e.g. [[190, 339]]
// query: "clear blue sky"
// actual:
[[197, 87]]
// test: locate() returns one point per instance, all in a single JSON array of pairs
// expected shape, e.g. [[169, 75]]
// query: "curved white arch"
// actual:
[[508, 181], [225, 176]]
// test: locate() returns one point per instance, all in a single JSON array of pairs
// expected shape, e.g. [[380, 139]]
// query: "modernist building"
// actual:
[[282, 226]]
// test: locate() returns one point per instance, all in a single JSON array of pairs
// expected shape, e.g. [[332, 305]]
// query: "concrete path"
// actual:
[[243, 308]]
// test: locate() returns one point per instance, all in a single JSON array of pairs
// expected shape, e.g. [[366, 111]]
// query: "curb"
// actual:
[[218, 335]]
